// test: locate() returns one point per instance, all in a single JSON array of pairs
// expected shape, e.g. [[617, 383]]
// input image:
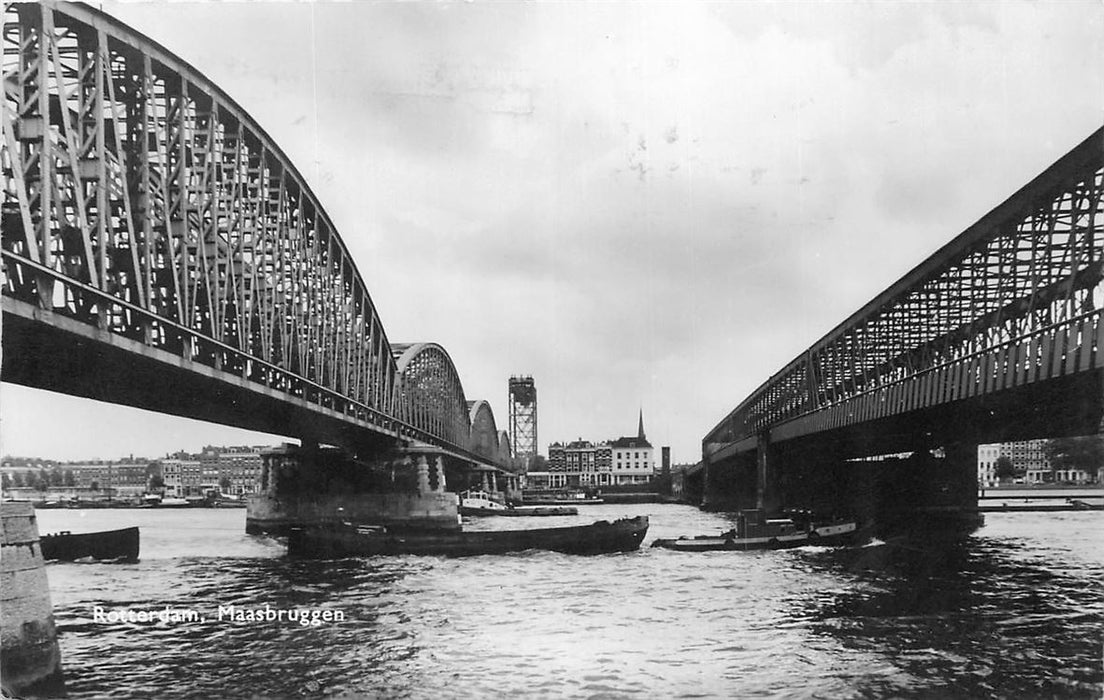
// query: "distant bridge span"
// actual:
[[161, 251], [997, 336]]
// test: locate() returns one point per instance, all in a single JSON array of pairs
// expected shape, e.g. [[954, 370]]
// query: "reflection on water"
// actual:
[[989, 614], [1014, 610]]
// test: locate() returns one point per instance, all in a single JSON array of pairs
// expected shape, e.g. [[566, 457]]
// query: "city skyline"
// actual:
[[634, 204]]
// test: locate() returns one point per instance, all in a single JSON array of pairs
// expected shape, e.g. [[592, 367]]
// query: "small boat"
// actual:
[[560, 498], [624, 535], [481, 503], [121, 545], [229, 503], [753, 532], [169, 502]]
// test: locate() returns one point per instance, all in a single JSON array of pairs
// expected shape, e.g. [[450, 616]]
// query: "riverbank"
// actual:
[[1040, 499]]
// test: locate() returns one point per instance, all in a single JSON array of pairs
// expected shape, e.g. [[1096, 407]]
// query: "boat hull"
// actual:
[[121, 545], [602, 537], [822, 536]]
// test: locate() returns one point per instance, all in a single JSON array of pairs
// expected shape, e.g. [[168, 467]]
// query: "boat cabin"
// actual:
[[754, 523]]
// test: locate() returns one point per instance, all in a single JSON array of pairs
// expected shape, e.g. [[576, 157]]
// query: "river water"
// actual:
[[1015, 610]]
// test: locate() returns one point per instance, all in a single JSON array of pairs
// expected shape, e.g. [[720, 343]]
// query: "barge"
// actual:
[[346, 540]]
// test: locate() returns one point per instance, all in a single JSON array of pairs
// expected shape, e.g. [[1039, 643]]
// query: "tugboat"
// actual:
[[754, 531]]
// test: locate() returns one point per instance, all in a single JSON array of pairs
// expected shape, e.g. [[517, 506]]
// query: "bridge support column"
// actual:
[[440, 463], [958, 486], [731, 484], [925, 492], [767, 467], [693, 485], [423, 475], [305, 486]]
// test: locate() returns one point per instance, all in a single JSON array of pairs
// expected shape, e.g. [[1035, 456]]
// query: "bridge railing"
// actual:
[[1014, 299]]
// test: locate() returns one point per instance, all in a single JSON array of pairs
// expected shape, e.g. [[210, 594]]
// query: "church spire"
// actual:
[[640, 430]]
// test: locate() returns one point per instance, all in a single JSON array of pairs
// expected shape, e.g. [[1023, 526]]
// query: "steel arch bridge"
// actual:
[[160, 250], [997, 336]]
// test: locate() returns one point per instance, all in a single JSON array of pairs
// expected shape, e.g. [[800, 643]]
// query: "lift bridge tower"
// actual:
[[523, 418]]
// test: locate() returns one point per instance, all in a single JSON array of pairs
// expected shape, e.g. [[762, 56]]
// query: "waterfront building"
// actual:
[[234, 470], [239, 469], [130, 474], [579, 463], [633, 458], [542, 480], [987, 465], [624, 461], [1028, 456], [1073, 475], [182, 475]]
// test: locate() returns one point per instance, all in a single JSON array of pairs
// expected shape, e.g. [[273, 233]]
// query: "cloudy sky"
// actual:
[[643, 205]]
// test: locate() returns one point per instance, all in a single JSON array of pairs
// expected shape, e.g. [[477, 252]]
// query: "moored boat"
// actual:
[[121, 545], [481, 503], [752, 532], [560, 498], [523, 511], [624, 535]]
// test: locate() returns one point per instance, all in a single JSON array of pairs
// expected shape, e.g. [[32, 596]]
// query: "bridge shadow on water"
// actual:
[[961, 615]]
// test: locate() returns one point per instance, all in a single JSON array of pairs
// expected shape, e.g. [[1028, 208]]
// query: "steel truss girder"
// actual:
[[1017, 298], [142, 200]]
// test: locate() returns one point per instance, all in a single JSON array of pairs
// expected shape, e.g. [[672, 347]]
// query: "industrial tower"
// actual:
[[523, 418]]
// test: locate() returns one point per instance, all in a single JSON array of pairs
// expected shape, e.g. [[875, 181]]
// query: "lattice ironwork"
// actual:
[[523, 416], [142, 201], [1015, 299], [486, 438], [431, 393]]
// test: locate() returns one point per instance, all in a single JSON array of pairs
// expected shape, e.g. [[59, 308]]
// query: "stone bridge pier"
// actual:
[[929, 487], [404, 489]]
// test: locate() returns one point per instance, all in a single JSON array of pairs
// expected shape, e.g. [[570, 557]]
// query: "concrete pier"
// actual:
[[886, 495], [402, 490], [30, 662]]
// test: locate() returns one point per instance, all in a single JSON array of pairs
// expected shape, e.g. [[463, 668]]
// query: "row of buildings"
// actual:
[[232, 471], [1029, 458], [622, 462]]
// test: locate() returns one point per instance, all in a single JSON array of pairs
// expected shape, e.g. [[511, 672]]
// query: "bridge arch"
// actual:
[[484, 432], [151, 224], [430, 395], [505, 450]]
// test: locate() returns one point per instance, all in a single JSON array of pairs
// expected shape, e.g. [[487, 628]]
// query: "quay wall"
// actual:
[[30, 661]]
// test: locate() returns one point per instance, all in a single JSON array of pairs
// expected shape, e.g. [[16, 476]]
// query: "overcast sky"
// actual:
[[642, 205]]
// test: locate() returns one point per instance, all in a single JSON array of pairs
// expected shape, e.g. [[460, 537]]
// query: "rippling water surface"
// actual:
[[1013, 611]]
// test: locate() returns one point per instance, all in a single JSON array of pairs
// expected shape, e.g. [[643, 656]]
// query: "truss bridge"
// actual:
[[161, 251]]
